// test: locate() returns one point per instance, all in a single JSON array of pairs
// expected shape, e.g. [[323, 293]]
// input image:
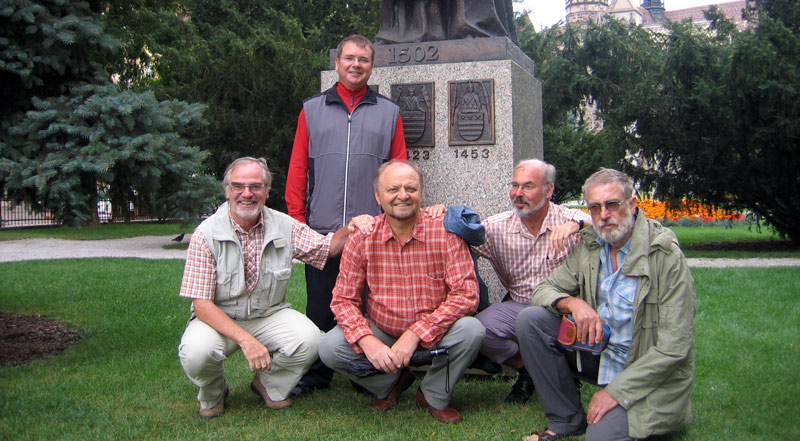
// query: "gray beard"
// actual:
[[612, 237], [530, 211]]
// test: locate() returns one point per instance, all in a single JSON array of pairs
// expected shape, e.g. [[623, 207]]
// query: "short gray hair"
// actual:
[[549, 169], [266, 175], [607, 176]]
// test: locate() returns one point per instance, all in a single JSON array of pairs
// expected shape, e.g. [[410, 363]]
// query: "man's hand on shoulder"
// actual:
[[381, 356], [560, 236], [435, 210], [363, 223]]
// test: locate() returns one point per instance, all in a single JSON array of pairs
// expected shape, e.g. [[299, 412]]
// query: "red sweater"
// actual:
[[297, 176]]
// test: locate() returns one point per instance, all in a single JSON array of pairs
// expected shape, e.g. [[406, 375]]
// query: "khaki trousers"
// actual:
[[291, 338], [466, 336]]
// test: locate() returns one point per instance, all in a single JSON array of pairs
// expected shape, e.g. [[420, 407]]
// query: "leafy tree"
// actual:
[[711, 115], [732, 107], [251, 63], [66, 129], [574, 141]]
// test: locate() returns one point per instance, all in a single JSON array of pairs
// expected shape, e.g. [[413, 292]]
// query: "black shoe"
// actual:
[[306, 388], [522, 390], [361, 389], [483, 363]]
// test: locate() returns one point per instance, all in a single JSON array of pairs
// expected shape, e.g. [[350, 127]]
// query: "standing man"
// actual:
[[524, 246], [421, 292], [237, 269], [343, 135], [628, 273]]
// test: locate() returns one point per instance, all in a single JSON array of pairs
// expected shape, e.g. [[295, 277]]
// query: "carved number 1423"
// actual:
[[472, 153]]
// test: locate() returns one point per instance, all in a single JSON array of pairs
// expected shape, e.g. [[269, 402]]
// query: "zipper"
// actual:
[[347, 169]]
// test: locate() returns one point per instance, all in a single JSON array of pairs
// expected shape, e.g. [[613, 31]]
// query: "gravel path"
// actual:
[[146, 247], [151, 247]]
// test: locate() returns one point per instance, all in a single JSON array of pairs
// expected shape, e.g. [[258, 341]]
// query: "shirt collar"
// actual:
[[549, 223], [385, 230], [238, 228]]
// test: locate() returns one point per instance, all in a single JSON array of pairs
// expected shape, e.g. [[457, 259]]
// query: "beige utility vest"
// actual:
[[231, 293]]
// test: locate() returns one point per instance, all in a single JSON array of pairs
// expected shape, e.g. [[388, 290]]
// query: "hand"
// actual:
[[601, 403], [363, 223], [381, 356], [588, 322], [560, 236], [257, 355], [436, 210], [405, 346]]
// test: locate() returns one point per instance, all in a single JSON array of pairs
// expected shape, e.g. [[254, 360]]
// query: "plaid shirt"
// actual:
[[200, 273], [615, 296], [520, 259], [424, 285]]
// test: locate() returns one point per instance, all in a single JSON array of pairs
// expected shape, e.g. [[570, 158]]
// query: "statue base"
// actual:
[[482, 117]]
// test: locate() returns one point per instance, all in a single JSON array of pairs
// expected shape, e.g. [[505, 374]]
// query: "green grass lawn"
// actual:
[[122, 380]]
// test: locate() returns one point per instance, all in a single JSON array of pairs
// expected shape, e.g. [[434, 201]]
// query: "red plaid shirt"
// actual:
[[200, 273], [520, 259], [425, 284]]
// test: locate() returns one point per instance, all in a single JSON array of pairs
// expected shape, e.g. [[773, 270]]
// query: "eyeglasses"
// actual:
[[526, 187], [254, 188], [611, 206], [352, 59]]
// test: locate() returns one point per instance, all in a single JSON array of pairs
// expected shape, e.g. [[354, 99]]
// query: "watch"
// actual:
[[580, 223]]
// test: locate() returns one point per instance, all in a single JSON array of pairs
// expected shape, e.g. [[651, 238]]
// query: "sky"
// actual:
[[548, 12]]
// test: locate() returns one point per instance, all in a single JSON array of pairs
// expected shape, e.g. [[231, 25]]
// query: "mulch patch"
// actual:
[[27, 337]]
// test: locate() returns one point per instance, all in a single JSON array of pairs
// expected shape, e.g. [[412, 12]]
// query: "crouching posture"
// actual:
[[628, 274], [420, 291], [237, 270]]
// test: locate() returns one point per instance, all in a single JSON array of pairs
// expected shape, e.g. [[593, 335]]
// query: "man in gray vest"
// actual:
[[343, 135], [237, 270]]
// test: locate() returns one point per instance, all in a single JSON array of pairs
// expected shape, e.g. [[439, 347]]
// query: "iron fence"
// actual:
[[22, 215]]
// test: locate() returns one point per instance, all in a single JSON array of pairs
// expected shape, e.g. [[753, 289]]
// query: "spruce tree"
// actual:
[[69, 133]]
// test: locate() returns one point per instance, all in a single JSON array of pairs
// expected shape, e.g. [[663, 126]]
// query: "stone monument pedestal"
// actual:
[[471, 109]]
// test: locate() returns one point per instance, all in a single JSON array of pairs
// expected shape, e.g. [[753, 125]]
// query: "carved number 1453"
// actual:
[[472, 153]]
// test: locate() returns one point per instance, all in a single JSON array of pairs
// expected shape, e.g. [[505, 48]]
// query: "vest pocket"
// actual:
[[228, 285], [272, 285]]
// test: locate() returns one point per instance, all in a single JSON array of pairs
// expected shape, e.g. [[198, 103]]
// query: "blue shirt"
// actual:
[[615, 296]]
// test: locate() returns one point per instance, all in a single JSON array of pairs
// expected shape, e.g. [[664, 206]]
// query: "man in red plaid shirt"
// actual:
[[421, 291]]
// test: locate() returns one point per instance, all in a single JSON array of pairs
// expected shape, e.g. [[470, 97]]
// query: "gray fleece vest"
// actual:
[[344, 153], [231, 294]]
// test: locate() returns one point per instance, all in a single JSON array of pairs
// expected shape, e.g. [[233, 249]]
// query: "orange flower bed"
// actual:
[[658, 210]]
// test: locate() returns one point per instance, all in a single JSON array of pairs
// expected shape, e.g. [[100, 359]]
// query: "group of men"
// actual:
[[405, 286]]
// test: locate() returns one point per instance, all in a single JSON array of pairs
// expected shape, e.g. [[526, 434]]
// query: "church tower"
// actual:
[[585, 10], [656, 9]]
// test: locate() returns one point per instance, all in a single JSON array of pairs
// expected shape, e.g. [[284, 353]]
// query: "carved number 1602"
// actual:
[[472, 154], [418, 54]]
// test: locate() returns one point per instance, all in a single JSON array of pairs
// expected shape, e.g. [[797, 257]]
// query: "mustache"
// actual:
[[603, 223], [521, 200]]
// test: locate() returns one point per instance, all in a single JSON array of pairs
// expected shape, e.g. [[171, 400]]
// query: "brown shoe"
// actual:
[[449, 415], [259, 389], [217, 410], [403, 383]]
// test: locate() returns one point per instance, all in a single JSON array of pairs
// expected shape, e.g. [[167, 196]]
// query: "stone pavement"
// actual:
[[151, 247]]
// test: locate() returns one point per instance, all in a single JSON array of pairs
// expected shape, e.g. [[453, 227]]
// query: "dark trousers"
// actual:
[[319, 288], [550, 367]]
